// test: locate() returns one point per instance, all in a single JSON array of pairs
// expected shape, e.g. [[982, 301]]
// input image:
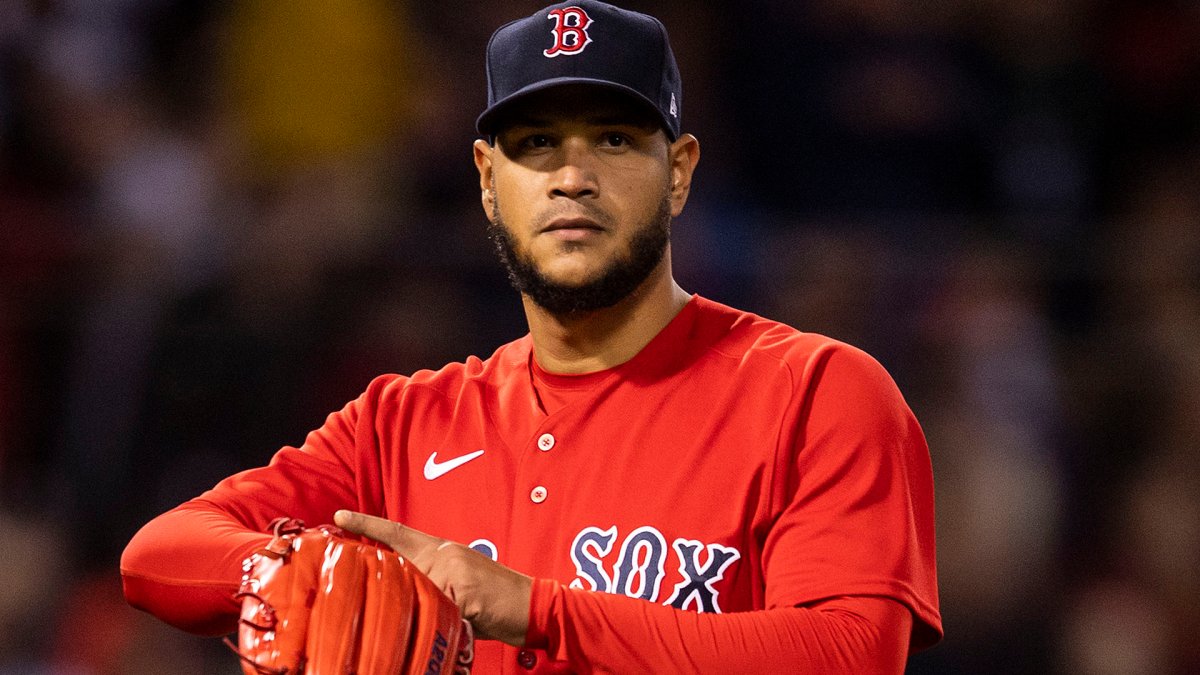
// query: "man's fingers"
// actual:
[[494, 598], [378, 529], [406, 541]]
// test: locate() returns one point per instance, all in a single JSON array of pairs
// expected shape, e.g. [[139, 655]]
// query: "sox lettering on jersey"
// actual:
[[648, 573], [570, 31], [698, 581], [639, 569], [484, 547], [590, 547]]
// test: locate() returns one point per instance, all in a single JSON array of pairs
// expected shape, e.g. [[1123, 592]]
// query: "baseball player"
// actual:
[[648, 481]]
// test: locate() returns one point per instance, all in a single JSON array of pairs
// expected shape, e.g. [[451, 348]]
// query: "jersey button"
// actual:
[[526, 659], [545, 442], [537, 495]]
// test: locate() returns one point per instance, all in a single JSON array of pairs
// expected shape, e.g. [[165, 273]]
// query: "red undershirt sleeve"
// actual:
[[186, 580], [601, 632], [185, 566]]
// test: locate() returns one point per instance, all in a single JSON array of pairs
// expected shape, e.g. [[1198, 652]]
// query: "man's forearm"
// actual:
[[612, 633], [185, 565]]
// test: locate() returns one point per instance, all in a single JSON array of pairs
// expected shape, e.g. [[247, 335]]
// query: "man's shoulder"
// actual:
[[766, 350], [743, 334], [771, 353], [453, 378]]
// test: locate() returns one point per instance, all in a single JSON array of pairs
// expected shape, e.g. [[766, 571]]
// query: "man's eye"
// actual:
[[537, 141], [616, 140]]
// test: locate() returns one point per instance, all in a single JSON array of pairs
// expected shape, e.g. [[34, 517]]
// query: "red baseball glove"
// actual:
[[319, 603]]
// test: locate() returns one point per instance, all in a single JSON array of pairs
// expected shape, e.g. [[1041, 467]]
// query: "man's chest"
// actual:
[[657, 501]]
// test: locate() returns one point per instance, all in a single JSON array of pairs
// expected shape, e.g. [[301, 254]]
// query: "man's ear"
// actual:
[[483, 163], [683, 154]]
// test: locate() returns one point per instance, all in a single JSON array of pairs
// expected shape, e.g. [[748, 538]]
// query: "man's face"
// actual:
[[581, 199]]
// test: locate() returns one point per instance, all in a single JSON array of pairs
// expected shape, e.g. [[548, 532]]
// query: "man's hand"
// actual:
[[494, 598]]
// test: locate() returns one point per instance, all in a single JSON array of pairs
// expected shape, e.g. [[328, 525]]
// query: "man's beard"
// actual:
[[615, 283]]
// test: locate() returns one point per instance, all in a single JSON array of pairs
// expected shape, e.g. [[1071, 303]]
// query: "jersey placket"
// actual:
[[544, 475]]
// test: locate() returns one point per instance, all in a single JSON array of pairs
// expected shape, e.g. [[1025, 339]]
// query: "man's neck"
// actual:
[[594, 341]]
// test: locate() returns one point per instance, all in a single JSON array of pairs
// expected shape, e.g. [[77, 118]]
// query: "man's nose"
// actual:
[[575, 176]]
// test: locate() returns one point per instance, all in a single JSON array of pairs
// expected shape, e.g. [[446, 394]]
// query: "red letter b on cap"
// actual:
[[570, 31]]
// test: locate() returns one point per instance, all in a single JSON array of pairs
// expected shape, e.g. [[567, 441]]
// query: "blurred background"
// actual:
[[219, 220]]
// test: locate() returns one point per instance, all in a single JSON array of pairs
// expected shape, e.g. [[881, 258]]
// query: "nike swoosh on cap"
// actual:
[[435, 469]]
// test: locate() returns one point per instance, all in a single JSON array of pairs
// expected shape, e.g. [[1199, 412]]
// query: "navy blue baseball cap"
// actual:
[[583, 42]]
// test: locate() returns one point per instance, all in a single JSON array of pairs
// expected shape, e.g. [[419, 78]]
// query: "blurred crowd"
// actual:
[[219, 220]]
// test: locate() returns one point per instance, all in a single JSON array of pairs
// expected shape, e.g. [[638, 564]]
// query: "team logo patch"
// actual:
[[570, 31]]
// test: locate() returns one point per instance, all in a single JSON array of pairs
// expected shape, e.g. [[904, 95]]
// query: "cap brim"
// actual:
[[486, 121]]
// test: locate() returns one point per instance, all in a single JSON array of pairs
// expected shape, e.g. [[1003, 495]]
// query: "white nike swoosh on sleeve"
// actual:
[[435, 469]]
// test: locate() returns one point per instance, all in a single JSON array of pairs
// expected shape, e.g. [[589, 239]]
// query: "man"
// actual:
[[648, 481]]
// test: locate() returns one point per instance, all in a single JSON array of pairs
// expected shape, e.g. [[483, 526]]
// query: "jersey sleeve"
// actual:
[[185, 565], [853, 493], [607, 633]]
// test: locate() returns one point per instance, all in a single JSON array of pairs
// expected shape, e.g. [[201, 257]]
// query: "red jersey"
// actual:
[[734, 464]]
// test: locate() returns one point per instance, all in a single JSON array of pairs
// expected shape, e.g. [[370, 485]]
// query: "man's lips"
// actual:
[[559, 224], [572, 229]]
